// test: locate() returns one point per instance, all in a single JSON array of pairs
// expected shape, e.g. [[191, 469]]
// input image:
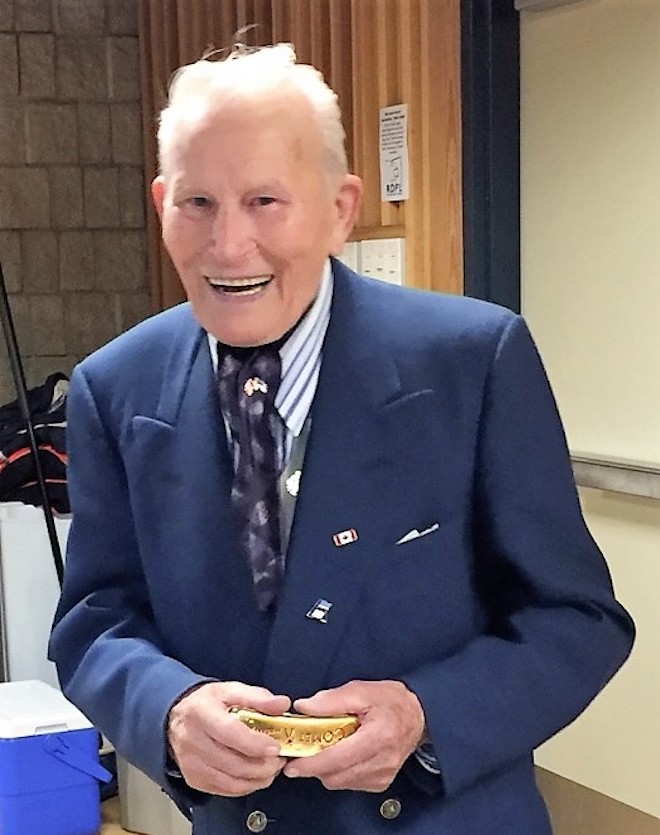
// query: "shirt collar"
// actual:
[[301, 357]]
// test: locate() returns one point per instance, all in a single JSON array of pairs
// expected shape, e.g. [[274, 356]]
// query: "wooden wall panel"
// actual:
[[441, 212], [262, 13], [280, 15], [411, 79], [340, 68], [319, 20], [243, 13], [365, 111], [224, 21], [374, 53], [388, 80], [159, 56], [300, 32]]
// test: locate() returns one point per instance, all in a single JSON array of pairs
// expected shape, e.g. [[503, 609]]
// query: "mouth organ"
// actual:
[[297, 734]]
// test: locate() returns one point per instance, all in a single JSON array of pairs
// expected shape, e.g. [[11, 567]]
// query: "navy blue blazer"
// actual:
[[431, 410]]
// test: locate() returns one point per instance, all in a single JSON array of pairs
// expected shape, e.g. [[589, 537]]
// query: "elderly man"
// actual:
[[306, 492]]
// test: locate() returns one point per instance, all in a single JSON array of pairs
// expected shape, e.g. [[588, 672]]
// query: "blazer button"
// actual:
[[390, 808], [256, 821]]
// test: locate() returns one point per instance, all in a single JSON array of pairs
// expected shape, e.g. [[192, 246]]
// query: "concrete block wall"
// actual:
[[72, 191]]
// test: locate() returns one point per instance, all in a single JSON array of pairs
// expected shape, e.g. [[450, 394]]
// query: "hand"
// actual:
[[215, 752], [391, 727]]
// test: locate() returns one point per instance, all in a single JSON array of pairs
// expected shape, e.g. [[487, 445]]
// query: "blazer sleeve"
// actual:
[[104, 641], [555, 634]]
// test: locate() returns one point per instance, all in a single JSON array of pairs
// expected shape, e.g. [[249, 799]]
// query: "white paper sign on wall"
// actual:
[[394, 153]]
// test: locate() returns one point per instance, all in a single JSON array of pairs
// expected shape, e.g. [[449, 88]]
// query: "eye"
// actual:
[[196, 206], [264, 200], [198, 202]]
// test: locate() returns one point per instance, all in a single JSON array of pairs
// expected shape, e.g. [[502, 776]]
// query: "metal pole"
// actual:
[[21, 392]]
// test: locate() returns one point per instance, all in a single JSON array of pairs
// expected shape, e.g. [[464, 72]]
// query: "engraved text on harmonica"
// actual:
[[292, 736]]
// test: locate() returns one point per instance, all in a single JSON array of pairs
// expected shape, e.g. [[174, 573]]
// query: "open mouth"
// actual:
[[240, 286]]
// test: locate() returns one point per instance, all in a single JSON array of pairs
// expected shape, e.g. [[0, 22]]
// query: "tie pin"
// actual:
[[255, 384]]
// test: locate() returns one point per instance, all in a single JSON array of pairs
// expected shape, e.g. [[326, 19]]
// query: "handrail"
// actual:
[[618, 475]]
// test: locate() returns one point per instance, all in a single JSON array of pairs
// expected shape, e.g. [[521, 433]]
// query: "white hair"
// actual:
[[197, 87]]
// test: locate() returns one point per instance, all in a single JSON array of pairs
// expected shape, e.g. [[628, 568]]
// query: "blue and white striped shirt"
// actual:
[[301, 362]]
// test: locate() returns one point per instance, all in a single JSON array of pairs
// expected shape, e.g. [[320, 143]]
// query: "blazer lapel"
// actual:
[[185, 454], [345, 480], [187, 418]]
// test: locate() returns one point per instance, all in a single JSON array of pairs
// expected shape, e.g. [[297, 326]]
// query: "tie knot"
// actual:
[[252, 373], [260, 375], [265, 365]]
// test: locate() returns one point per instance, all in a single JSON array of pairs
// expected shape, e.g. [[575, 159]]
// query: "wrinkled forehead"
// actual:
[[285, 117]]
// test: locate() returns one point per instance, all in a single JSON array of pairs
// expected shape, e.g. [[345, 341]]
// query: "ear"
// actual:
[[346, 206], [158, 194]]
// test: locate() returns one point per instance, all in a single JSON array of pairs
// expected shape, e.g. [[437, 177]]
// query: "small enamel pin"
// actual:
[[255, 384], [345, 537], [292, 483], [319, 611]]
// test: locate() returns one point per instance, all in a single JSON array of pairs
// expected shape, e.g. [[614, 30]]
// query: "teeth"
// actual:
[[253, 281], [250, 291]]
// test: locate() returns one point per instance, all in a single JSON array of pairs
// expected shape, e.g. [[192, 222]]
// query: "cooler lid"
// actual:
[[30, 708]]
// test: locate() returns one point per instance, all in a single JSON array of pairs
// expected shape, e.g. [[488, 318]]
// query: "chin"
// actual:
[[246, 339], [246, 331]]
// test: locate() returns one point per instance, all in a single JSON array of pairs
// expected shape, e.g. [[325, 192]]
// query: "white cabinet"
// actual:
[[30, 591]]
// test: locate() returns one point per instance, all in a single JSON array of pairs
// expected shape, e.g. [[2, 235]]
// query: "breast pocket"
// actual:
[[431, 537], [419, 599]]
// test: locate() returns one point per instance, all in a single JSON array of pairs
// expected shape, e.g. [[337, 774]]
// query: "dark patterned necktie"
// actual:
[[248, 379]]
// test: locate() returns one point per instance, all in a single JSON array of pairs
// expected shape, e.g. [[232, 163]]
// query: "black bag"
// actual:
[[18, 477]]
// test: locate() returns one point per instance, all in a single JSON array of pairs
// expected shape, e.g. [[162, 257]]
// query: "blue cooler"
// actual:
[[49, 764]]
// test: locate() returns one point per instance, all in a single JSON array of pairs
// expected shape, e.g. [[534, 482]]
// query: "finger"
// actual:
[[216, 728], [240, 766], [237, 694], [349, 698], [337, 758], [359, 763], [362, 744], [227, 730], [367, 775], [200, 775]]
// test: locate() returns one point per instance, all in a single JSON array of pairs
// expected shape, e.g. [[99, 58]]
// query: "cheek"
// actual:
[[303, 240], [183, 241], [298, 264]]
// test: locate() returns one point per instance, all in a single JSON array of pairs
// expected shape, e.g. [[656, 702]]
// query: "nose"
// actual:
[[232, 235]]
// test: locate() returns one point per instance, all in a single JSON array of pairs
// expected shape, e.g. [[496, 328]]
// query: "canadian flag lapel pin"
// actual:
[[345, 537]]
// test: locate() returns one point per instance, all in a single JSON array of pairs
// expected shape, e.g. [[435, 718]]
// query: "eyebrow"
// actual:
[[269, 185]]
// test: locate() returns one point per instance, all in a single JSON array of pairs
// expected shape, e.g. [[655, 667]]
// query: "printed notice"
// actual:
[[394, 152]]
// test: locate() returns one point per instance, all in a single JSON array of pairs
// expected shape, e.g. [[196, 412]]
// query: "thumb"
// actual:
[[329, 703], [257, 698], [272, 704]]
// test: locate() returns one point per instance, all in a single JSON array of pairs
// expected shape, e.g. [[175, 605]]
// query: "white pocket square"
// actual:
[[415, 534]]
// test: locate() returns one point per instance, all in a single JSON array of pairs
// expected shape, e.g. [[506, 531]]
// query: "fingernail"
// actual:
[[291, 772]]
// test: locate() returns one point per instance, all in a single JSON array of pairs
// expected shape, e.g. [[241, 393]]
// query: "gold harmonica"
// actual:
[[299, 735]]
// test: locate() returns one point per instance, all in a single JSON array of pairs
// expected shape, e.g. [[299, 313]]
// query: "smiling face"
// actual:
[[249, 215]]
